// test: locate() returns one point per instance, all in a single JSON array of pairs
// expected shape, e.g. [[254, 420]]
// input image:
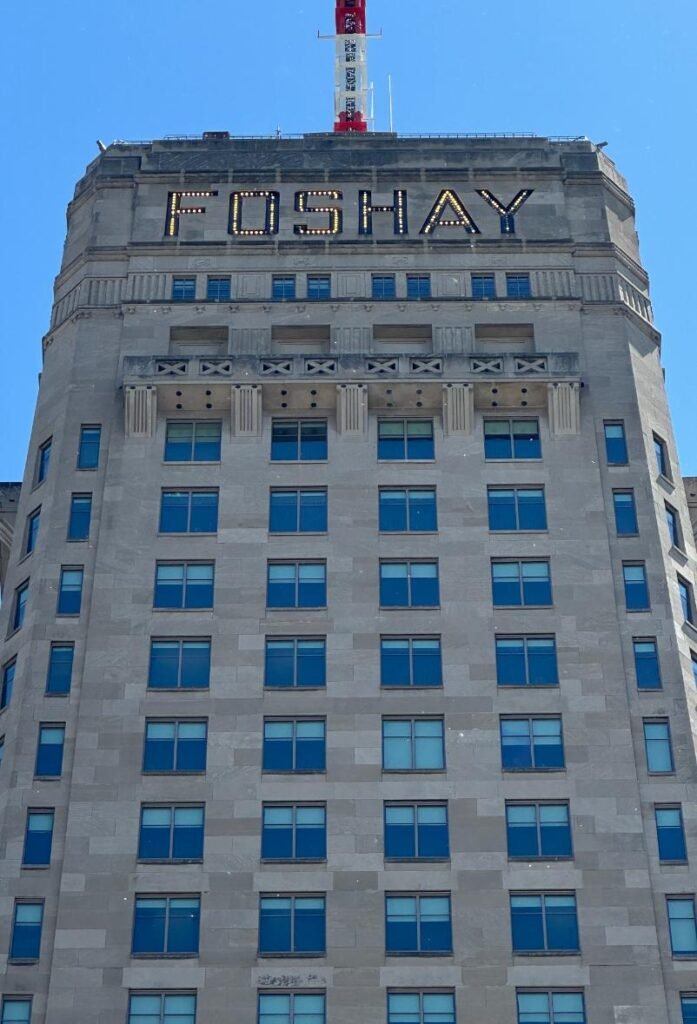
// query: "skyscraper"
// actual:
[[349, 623]]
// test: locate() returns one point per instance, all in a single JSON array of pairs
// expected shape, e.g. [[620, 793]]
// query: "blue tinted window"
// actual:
[[615, 444], [648, 673], [683, 928], [70, 592], [32, 531], [299, 441], [406, 440], [88, 453], [189, 512], [418, 286], [483, 286], [294, 832], [80, 517], [43, 460], [218, 289], [16, 1011], [512, 439], [20, 605], [531, 744], [60, 668], [517, 508], [291, 1008], [673, 524], [661, 453], [384, 286], [538, 831], [526, 661], [187, 585], [411, 510], [417, 924], [294, 661], [183, 289], [551, 1008], [410, 661], [49, 753], [294, 745], [413, 744], [175, 746], [193, 441], [162, 1008], [302, 511], [686, 602], [636, 589], [292, 924], [625, 512], [420, 1008], [166, 925], [8, 679], [175, 664], [416, 832], [521, 583], [283, 287], [171, 833], [296, 585], [26, 931], [409, 585], [671, 834], [659, 750], [518, 286], [689, 1009], [544, 924], [38, 839], [319, 287]]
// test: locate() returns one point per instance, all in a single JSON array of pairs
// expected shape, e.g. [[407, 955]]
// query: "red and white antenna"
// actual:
[[351, 88]]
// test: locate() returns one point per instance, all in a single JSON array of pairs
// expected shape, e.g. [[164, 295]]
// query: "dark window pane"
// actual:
[[625, 512], [384, 286], [218, 289], [313, 440], [615, 444], [80, 516], [60, 668], [38, 839], [49, 755], [183, 289], [646, 664], [671, 834], [70, 593], [502, 510], [88, 454]]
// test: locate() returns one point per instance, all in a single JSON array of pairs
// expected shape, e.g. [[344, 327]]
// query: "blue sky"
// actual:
[[622, 71]]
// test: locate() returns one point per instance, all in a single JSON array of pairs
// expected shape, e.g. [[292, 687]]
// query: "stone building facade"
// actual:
[[393, 406]]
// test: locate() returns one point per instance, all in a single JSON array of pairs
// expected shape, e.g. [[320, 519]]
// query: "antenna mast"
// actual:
[[351, 93]]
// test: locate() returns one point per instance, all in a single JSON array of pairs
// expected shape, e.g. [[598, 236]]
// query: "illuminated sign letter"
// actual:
[[272, 202], [336, 216], [506, 212], [366, 211], [436, 219], [175, 209]]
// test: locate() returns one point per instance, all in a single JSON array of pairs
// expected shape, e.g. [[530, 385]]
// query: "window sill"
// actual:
[[292, 860], [408, 533], [402, 687], [177, 689], [661, 775], [407, 462], [187, 533], [533, 771], [25, 557], [14, 632], [499, 462], [684, 956], [546, 952], [290, 772], [319, 955], [296, 689], [295, 608], [298, 533], [666, 482], [298, 462], [637, 611], [620, 536], [86, 469], [650, 689], [673, 863], [413, 771], [171, 860], [35, 867], [22, 962], [47, 778], [410, 607], [678, 554], [417, 860], [415, 952], [518, 607], [528, 686], [518, 533], [183, 609], [76, 540], [164, 772], [68, 615], [541, 860], [164, 956], [191, 462], [690, 628]]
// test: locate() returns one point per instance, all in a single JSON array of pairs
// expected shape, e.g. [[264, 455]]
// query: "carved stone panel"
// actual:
[[458, 408], [140, 407], [246, 410], [352, 409]]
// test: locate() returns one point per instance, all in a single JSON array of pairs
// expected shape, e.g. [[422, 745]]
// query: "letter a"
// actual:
[[436, 218]]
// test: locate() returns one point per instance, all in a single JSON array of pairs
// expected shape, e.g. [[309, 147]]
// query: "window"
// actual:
[[686, 600], [417, 924], [298, 511], [162, 1008], [659, 750], [531, 744], [408, 511], [183, 289], [193, 441], [26, 931], [693, 661], [80, 516], [70, 591], [294, 745], [295, 662], [646, 665], [673, 522], [319, 286], [413, 745], [409, 585], [384, 286], [166, 925], [636, 589], [16, 1011], [294, 832], [518, 286], [184, 585], [20, 605], [171, 833], [189, 512], [179, 664], [615, 444], [416, 832], [177, 746], [31, 531], [292, 924], [283, 287], [38, 839], [544, 923], [661, 453], [410, 661], [526, 661], [291, 1008], [689, 1009], [43, 458], [218, 289], [299, 441], [296, 585], [681, 921], [2, 750], [538, 831], [60, 669], [551, 1008], [521, 583], [8, 679], [420, 1008], [483, 286], [670, 831], [88, 452], [625, 513], [49, 753], [517, 508], [418, 286], [406, 440], [512, 439]]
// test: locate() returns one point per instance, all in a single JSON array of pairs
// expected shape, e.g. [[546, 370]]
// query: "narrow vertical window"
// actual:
[[670, 831], [26, 931], [38, 839], [661, 453], [31, 532], [636, 588], [43, 459], [687, 602], [49, 752], [673, 524], [88, 452], [659, 749], [80, 517], [625, 513], [615, 443], [8, 679], [16, 1010], [646, 664], [70, 591], [683, 926], [20, 605]]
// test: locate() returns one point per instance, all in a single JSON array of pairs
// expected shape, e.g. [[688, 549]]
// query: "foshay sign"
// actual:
[[256, 213]]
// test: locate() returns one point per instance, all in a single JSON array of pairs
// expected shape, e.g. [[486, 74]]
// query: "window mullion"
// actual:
[[544, 922], [180, 666], [418, 924], [292, 924], [167, 908]]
